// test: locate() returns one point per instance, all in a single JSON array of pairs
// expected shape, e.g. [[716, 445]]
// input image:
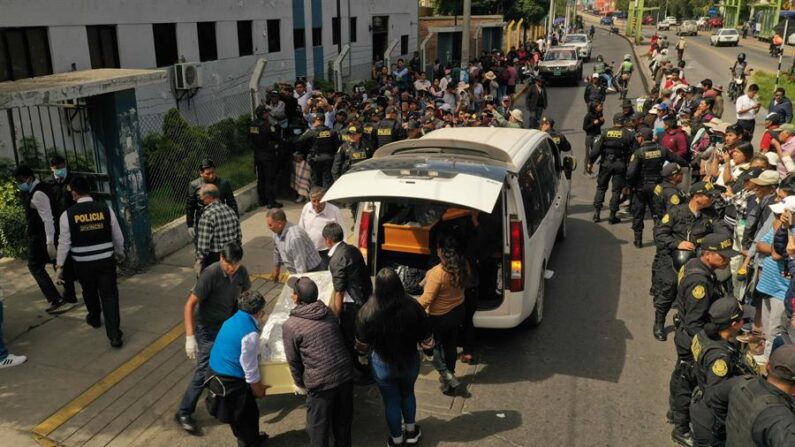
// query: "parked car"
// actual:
[[648, 20], [515, 179], [725, 36], [687, 28], [702, 22], [663, 25], [671, 20], [561, 63], [606, 20], [579, 42], [715, 22]]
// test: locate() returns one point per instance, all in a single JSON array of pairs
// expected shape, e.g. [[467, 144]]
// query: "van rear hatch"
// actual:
[[461, 181]]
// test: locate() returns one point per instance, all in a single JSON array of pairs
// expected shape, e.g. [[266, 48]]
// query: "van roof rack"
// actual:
[[444, 146]]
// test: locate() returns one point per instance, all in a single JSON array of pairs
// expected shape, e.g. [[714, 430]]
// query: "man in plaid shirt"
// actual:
[[218, 226]]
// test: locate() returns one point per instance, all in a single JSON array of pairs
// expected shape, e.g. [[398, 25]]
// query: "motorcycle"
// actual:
[[605, 72], [614, 29], [775, 50], [737, 85]]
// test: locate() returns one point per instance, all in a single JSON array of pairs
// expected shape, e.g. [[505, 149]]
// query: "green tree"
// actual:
[[532, 11]]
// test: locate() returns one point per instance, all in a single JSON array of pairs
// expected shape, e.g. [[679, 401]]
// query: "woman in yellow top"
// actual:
[[443, 298]]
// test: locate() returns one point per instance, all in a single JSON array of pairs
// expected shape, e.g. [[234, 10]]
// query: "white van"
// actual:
[[516, 178]]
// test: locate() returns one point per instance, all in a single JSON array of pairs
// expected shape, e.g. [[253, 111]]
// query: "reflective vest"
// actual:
[[90, 230]]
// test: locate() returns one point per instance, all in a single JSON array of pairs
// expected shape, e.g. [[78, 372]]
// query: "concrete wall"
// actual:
[[449, 23]]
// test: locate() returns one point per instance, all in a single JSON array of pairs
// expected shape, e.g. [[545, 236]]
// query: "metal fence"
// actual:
[[175, 142]]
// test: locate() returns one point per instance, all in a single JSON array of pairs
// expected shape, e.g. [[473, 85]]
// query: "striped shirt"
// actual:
[[218, 226], [293, 249], [772, 281]]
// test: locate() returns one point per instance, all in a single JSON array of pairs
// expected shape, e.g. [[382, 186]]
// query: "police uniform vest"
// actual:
[[614, 142], [652, 159], [385, 132], [90, 230], [687, 226], [747, 401], [668, 195], [695, 267], [367, 135], [263, 140], [702, 348], [325, 144], [35, 224], [354, 154]]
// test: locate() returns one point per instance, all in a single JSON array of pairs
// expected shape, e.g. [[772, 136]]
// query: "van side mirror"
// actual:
[[569, 165]]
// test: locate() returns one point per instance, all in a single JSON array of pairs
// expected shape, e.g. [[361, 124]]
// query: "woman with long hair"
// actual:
[[388, 328], [443, 298]]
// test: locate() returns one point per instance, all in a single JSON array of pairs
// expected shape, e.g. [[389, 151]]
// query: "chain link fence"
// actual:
[[175, 142]]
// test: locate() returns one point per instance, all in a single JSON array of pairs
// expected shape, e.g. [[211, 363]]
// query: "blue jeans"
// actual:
[[3, 350], [397, 391], [204, 339]]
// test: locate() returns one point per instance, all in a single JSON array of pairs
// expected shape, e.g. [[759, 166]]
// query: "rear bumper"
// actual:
[[504, 316]]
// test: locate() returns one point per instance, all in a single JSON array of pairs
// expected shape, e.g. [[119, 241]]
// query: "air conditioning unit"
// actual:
[[187, 75]]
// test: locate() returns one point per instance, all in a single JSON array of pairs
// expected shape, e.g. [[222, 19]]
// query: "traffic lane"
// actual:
[[591, 374]]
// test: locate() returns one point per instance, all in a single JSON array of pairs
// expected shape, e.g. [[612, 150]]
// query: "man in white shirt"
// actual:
[[747, 107], [315, 215], [41, 235], [421, 83], [301, 94]]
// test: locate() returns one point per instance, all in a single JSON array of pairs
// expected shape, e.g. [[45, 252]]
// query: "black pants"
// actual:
[[445, 332], [37, 265], [267, 178], [468, 328], [245, 425], [589, 146], [101, 293], [615, 170], [683, 380], [701, 420], [348, 329], [748, 128], [663, 283], [330, 411], [69, 278], [642, 198], [321, 172]]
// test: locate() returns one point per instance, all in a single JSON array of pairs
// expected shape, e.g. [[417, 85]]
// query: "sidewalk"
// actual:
[[76, 390]]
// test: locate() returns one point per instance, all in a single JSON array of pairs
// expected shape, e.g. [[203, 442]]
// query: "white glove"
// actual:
[[299, 391], [51, 251], [191, 348], [192, 232], [363, 360]]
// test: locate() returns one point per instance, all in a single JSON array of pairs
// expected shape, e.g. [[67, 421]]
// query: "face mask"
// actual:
[[24, 187], [59, 173]]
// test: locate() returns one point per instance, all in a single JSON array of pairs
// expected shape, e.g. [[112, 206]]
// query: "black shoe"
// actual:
[[659, 332], [59, 307], [412, 437], [596, 216], [613, 219], [682, 437], [186, 422], [117, 341], [94, 322], [638, 243], [70, 299], [275, 205]]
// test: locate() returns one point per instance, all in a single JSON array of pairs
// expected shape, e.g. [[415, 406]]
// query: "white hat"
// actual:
[[595, 75], [766, 178], [517, 115], [787, 204], [772, 158]]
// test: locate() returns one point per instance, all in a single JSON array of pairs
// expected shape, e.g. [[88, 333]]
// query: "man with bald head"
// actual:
[[218, 226]]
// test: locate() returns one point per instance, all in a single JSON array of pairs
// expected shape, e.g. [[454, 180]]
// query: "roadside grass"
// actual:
[[766, 81]]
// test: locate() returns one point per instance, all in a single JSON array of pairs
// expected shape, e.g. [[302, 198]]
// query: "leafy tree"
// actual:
[[532, 11]]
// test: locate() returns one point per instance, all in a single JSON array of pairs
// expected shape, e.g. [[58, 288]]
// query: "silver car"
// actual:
[[561, 63], [581, 43], [687, 28]]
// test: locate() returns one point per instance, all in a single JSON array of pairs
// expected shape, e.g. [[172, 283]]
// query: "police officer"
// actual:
[[548, 125], [91, 234], [388, 129], [265, 140], [371, 121], [698, 289], [678, 235], [414, 130], [324, 145], [61, 201], [762, 412], [718, 358], [194, 206], [644, 173], [614, 146], [350, 153], [667, 193]]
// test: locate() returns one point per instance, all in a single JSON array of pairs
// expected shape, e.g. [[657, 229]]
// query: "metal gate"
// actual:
[[37, 133]]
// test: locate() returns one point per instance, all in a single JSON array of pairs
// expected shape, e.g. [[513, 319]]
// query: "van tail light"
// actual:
[[517, 256], [365, 224]]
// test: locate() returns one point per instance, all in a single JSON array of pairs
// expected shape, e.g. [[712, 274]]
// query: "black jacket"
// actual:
[[194, 206], [349, 273]]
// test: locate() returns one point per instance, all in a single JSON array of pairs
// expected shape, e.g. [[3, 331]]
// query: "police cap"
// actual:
[[548, 120], [670, 169], [720, 243], [725, 310], [707, 188], [782, 363], [618, 118], [646, 133], [355, 130], [626, 103]]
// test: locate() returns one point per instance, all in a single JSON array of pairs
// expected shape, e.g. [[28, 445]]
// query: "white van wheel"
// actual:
[[537, 316]]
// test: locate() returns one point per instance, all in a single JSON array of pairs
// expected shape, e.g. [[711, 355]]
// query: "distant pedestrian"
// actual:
[[315, 216], [680, 48], [218, 227], [194, 206], [292, 247], [235, 381], [320, 365], [747, 107], [216, 293], [7, 360], [389, 328]]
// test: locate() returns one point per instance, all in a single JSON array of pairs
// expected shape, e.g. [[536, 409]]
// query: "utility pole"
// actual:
[[465, 31]]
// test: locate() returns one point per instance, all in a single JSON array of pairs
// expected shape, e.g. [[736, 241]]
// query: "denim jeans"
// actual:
[[204, 339], [3, 350], [397, 391]]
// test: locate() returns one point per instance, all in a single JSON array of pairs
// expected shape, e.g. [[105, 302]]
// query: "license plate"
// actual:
[[556, 72]]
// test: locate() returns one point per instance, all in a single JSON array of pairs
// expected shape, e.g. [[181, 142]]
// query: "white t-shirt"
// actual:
[[313, 222], [743, 103]]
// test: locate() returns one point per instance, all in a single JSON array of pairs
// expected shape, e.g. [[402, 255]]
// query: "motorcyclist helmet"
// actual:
[[627, 57], [599, 58], [741, 57]]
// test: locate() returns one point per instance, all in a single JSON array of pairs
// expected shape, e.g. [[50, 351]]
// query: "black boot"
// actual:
[[613, 218], [659, 328], [682, 436], [597, 215], [638, 240]]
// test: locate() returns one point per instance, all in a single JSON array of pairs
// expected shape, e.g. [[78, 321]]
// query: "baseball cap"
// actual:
[[772, 158], [670, 168], [787, 204], [707, 188], [662, 106], [728, 309], [647, 135], [786, 127], [720, 128], [548, 120], [720, 243], [766, 178], [305, 288], [781, 364]]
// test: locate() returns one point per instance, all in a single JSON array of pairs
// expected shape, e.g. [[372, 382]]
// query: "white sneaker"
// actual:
[[12, 360]]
